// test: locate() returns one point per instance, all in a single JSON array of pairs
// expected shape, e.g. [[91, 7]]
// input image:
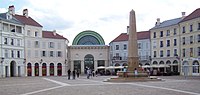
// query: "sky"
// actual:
[[109, 18]]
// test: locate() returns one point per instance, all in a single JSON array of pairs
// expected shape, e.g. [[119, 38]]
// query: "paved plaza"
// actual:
[[171, 85]]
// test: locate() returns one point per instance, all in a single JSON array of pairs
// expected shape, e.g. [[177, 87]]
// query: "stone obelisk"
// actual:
[[133, 60]]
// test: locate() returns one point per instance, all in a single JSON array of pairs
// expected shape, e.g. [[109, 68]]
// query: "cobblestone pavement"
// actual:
[[171, 85]]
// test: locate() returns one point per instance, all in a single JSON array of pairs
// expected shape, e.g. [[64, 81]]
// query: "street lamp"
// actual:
[[24, 61], [41, 61], [2, 59]]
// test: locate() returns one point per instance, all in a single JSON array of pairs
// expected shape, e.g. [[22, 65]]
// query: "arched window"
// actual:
[[155, 62], [168, 62], [195, 67], [161, 62], [36, 69], [44, 69]]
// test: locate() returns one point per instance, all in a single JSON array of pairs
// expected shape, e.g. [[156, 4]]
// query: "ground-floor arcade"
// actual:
[[190, 67]]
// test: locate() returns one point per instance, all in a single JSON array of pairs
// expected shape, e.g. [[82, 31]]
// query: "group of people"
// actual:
[[89, 73], [74, 74]]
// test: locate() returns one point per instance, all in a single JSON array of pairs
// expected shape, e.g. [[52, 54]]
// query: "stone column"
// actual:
[[32, 70], [48, 74], [40, 69], [133, 60], [55, 70], [95, 65], [82, 67]]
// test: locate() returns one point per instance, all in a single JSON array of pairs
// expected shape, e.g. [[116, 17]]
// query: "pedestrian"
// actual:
[[88, 73], [74, 74], [77, 73], [96, 73], [148, 72], [135, 72], [69, 72], [93, 73]]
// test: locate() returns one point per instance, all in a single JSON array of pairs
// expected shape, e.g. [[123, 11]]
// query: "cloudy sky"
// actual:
[[107, 17]]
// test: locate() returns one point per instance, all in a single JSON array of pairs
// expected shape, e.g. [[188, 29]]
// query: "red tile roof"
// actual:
[[50, 34], [140, 35], [27, 21], [193, 15]]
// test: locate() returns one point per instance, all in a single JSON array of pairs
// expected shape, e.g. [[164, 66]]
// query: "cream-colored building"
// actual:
[[165, 48], [190, 44], [88, 50]]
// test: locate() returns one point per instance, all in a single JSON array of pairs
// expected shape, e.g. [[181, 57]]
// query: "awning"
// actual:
[[101, 67]]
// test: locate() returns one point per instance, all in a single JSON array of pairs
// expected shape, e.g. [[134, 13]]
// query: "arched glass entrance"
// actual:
[[185, 68], [44, 69], [89, 62], [12, 68], [36, 69], [29, 70], [51, 70], [59, 69], [195, 68]]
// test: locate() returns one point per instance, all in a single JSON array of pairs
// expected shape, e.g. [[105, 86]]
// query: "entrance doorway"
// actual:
[[44, 69], [36, 69], [59, 69], [51, 69], [29, 70], [89, 62], [77, 66], [12, 68]]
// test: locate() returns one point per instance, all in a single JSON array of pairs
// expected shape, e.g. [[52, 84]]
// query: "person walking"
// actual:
[[69, 72], [73, 74], [77, 73], [88, 73]]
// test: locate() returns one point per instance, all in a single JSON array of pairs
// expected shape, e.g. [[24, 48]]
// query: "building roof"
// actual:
[[140, 35], [50, 34], [27, 21], [168, 23], [193, 15], [13, 20]]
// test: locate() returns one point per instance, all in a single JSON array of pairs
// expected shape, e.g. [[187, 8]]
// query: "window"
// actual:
[[198, 51], [36, 34], [198, 26], [18, 29], [168, 53], [18, 42], [191, 39], [28, 33], [12, 28], [36, 44], [174, 42], [191, 28], [139, 45], [59, 54], [12, 42], [174, 31], [5, 27], [51, 54], [117, 54], [51, 45], [168, 43], [161, 33], [154, 44], [161, 53], [161, 43], [6, 53], [43, 53], [191, 52], [125, 46], [5, 40], [154, 53], [18, 54], [154, 34], [183, 52], [183, 40], [198, 38], [175, 52], [183, 29], [168, 33], [12, 53], [117, 47]]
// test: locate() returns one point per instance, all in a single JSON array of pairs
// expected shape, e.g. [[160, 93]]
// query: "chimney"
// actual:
[[11, 9], [54, 32], [183, 15], [158, 22], [25, 12], [127, 29]]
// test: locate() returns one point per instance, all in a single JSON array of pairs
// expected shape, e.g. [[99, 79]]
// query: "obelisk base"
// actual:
[[133, 62]]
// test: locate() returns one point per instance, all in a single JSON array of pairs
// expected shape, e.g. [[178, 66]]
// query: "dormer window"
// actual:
[[36, 34]]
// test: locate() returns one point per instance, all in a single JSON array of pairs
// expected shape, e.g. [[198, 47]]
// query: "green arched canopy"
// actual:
[[88, 37]]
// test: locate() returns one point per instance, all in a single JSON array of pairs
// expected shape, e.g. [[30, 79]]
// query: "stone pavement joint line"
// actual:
[[170, 89], [38, 91], [57, 82]]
